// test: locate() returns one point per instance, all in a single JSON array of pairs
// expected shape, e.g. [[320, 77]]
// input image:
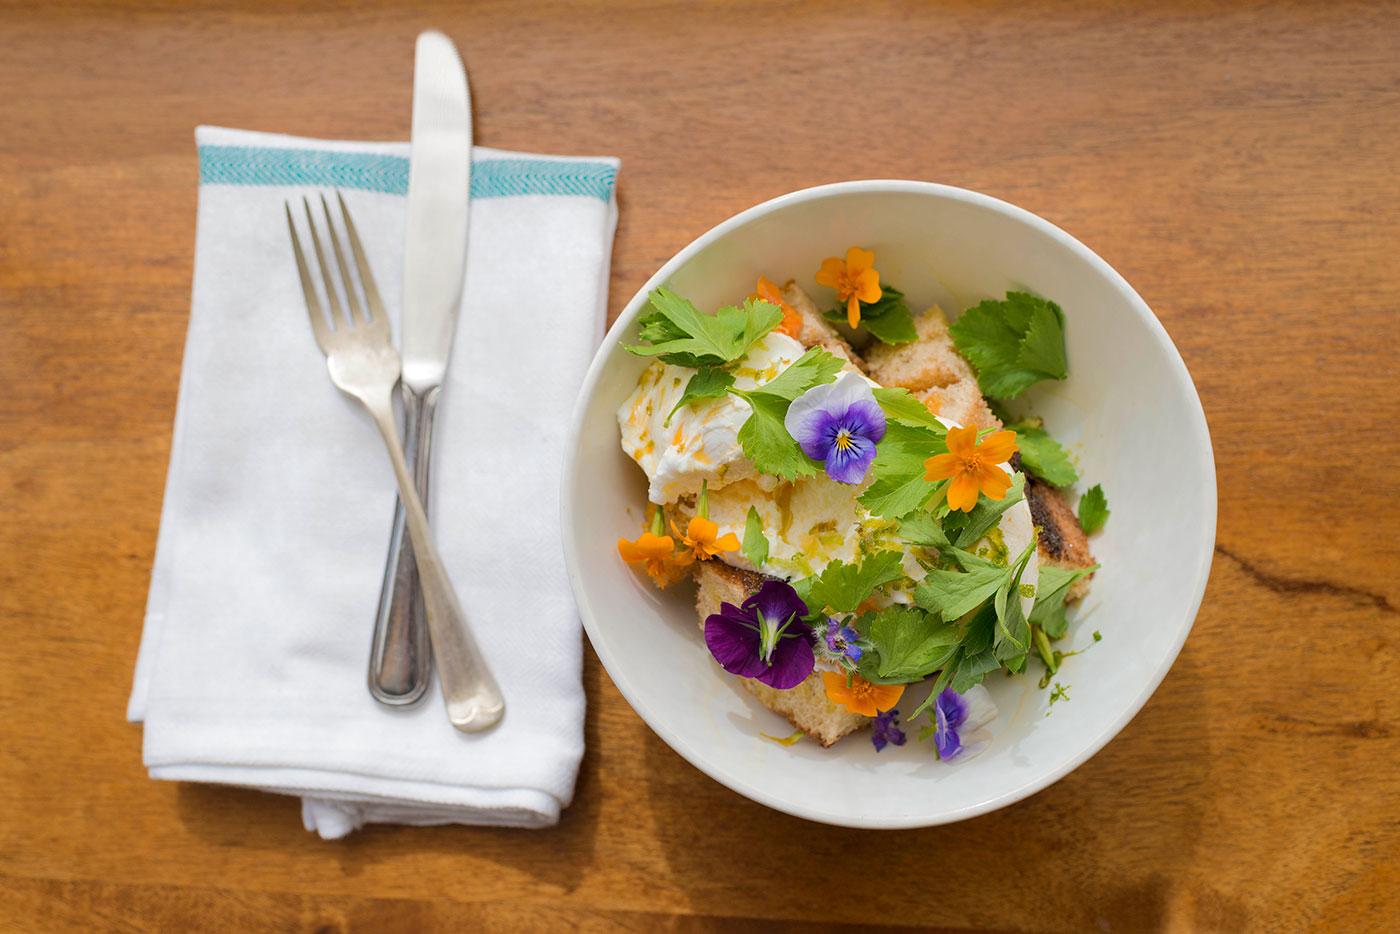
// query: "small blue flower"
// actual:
[[883, 731], [838, 424], [839, 644]]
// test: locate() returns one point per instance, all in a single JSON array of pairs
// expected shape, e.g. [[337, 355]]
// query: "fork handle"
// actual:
[[400, 661], [474, 701]]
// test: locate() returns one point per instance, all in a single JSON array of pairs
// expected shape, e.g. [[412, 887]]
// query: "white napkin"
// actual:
[[279, 497]]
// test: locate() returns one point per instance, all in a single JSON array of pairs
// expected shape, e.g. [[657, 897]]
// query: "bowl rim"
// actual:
[[739, 782]]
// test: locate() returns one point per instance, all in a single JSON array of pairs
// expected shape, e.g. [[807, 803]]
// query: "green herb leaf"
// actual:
[[707, 383], [678, 333], [1013, 344], [899, 486], [1012, 641], [894, 327], [755, 545], [842, 587], [763, 436], [1093, 509], [887, 319], [1042, 456], [816, 367], [907, 644], [953, 594], [895, 497], [923, 529], [766, 441], [899, 405], [1051, 588]]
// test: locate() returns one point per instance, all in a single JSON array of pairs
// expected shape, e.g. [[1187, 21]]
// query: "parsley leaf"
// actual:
[[1014, 343], [893, 497], [899, 486], [710, 382], [678, 333], [907, 644], [923, 529], [953, 594], [887, 319], [755, 547], [1012, 642], [899, 405], [894, 327], [816, 367], [1093, 509], [842, 587], [1042, 456], [766, 441], [1051, 589], [763, 436]]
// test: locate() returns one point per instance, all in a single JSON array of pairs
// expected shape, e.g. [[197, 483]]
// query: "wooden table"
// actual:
[[1236, 163]]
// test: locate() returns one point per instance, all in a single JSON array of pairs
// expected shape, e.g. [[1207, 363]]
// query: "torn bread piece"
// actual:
[[816, 330], [806, 706], [932, 369]]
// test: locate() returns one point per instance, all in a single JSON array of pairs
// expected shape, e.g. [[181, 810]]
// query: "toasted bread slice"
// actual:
[[805, 706], [1062, 539]]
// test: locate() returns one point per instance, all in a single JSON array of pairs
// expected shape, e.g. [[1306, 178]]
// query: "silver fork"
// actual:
[[364, 364]]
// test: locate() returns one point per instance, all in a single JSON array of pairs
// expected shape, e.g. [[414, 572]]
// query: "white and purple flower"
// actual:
[[765, 638], [838, 424], [959, 720]]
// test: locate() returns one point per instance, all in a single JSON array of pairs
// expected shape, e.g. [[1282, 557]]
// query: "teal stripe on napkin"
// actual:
[[491, 178]]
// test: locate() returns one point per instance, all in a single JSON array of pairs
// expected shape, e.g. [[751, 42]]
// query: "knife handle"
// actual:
[[401, 660]]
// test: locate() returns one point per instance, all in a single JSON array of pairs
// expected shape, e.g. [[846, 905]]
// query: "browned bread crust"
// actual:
[[1062, 539]]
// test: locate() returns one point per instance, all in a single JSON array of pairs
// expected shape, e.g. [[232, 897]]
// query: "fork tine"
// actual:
[[376, 307], [319, 326], [338, 314], [352, 298]]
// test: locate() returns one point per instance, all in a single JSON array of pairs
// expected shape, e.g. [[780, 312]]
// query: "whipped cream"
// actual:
[[701, 441]]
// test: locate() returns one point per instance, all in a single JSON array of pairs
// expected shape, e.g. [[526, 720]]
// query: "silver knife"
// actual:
[[434, 262]]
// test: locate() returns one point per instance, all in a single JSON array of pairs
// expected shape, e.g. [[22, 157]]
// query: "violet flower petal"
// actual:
[[733, 643], [816, 417], [849, 465], [792, 660], [777, 601]]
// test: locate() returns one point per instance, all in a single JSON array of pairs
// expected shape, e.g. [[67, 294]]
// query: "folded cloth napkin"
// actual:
[[279, 497]]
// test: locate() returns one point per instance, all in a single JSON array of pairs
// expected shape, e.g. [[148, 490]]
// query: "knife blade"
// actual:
[[439, 188], [435, 256]]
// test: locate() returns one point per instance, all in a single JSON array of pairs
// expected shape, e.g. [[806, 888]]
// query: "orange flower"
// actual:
[[854, 279], [656, 553], [860, 696], [702, 537], [769, 292], [973, 466]]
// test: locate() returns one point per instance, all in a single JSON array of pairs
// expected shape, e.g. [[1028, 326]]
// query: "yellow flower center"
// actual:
[[843, 440]]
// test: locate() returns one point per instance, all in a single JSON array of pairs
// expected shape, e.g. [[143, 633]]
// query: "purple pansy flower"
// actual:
[[765, 638], [839, 424], [839, 644], [883, 731], [958, 720]]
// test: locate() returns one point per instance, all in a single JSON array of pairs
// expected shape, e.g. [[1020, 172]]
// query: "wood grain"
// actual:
[[1235, 162]]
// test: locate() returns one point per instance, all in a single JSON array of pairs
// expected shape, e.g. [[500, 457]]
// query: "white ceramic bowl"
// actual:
[[1128, 411]]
